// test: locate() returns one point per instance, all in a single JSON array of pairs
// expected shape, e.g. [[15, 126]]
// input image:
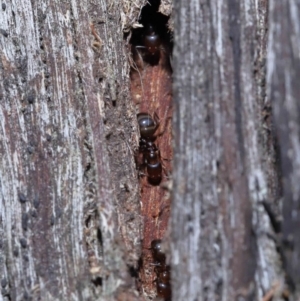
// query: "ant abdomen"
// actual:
[[154, 172], [163, 290]]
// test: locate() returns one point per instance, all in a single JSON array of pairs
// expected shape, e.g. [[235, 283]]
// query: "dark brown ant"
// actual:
[[154, 167], [152, 40], [151, 161], [162, 271], [151, 154], [152, 44]]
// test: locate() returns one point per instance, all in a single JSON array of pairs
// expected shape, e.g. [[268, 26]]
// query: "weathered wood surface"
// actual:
[[283, 67], [67, 176], [70, 224], [223, 244]]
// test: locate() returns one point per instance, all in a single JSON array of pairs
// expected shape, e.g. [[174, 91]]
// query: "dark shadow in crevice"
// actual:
[[153, 34]]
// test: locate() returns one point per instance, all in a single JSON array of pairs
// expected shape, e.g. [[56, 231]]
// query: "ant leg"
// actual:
[[156, 118], [140, 163], [168, 60], [140, 60], [162, 125], [167, 174], [141, 172], [135, 65], [164, 167], [138, 46], [137, 158], [161, 158]]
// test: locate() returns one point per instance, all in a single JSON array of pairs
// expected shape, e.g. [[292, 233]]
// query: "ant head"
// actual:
[[152, 40], [147, 125], [157, 250]]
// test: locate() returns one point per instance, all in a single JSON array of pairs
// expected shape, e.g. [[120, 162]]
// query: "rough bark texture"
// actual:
[[68, 177], [284, 92], [223, 242], [71, 224]]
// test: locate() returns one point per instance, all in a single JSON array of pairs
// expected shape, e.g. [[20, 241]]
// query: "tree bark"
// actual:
[[225, 164], [75, 224], [283, 90], [68, 179]]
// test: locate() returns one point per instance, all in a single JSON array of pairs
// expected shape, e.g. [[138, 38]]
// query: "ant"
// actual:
[[153, 164], [162, 271], [151, 40], [151, 154], [151, 44]]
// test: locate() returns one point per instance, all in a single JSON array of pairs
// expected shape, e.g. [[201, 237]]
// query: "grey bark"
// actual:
[[70, 224], [284, 92], [67, 175], [226, 178]]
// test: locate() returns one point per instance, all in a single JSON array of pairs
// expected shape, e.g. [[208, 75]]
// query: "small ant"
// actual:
[[151, 40], [162, 271], [151, 154], [153, 164], [152, 44]]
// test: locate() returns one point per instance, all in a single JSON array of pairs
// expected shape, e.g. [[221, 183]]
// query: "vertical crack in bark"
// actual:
[[151, 90]]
